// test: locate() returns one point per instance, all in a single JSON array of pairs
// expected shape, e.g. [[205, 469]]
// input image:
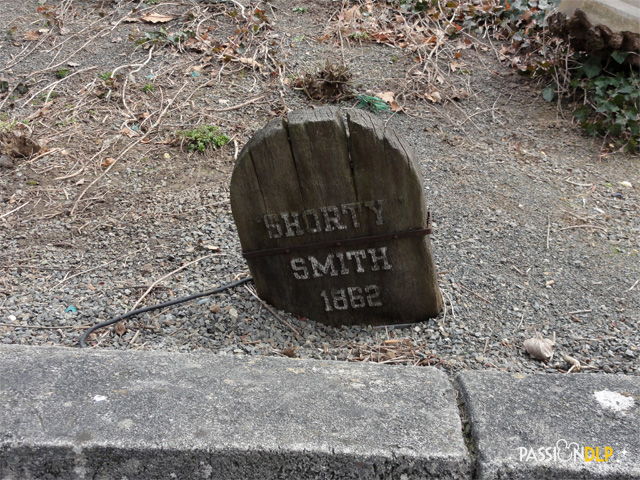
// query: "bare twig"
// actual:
[[275, 314], [52, 85], [235, 107], [548, 229], [155, 124], [152, 286], [86, 271], [634, 285], [14, 210], [473, 293], [583, 226]]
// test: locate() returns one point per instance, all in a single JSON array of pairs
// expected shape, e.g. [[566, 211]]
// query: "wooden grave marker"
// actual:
[[333, 225]]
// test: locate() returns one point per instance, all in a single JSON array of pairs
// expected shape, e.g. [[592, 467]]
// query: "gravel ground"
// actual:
[[533, 230]]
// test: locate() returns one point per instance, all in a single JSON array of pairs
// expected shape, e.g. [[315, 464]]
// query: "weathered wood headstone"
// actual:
[[333, 225]]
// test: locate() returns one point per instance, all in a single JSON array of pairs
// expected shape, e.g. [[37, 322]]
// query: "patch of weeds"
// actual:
[[43, 97], [9, 35], [63, 72], [32, 183], [148, 88], [371, 103], [203, 137], [109, 80], [606, 89], [610, 101], [66, 122], [22, 88], [254, 24], [6, 125], [359, 35], [300, 10], [329, 83], [152, 2], [50, 13]]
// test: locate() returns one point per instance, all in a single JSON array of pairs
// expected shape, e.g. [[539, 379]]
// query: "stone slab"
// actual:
[[514, 416], [75, 414], [618, 15]]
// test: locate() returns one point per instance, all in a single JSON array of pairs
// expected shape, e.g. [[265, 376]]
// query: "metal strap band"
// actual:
[[419, 232]]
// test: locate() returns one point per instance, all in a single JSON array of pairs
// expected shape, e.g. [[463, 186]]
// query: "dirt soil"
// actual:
[[535, 230]]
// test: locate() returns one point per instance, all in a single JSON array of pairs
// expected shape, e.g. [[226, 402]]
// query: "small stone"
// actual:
[[629, 353], [215, 308], [6, 161]]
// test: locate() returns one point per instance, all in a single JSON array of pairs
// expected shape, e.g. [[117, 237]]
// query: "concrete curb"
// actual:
[[104, 414], [75, 414], [542, 426]]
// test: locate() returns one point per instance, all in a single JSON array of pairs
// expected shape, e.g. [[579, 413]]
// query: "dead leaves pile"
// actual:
[[394, 351], [18, 145], [432, 44], [329, 83]]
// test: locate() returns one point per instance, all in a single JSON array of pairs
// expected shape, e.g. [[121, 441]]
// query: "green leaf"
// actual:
[[548, 93], [582, 113], [627, 89], [374, 104], [592, 67], [619, 56]]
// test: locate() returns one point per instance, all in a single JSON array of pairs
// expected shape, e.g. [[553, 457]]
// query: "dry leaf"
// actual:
[[386, 96], [289, 352], [459, 94], [575, 364], [194, 68], [156, 18], [382, 37], [131, 20], [250, 61], [120, 328], [353, 12], [395, 107], [455, 65], [213, 248], [540, 348], [434, 96], [127, 132], [107, 161], [41, 112], [31, 35]]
